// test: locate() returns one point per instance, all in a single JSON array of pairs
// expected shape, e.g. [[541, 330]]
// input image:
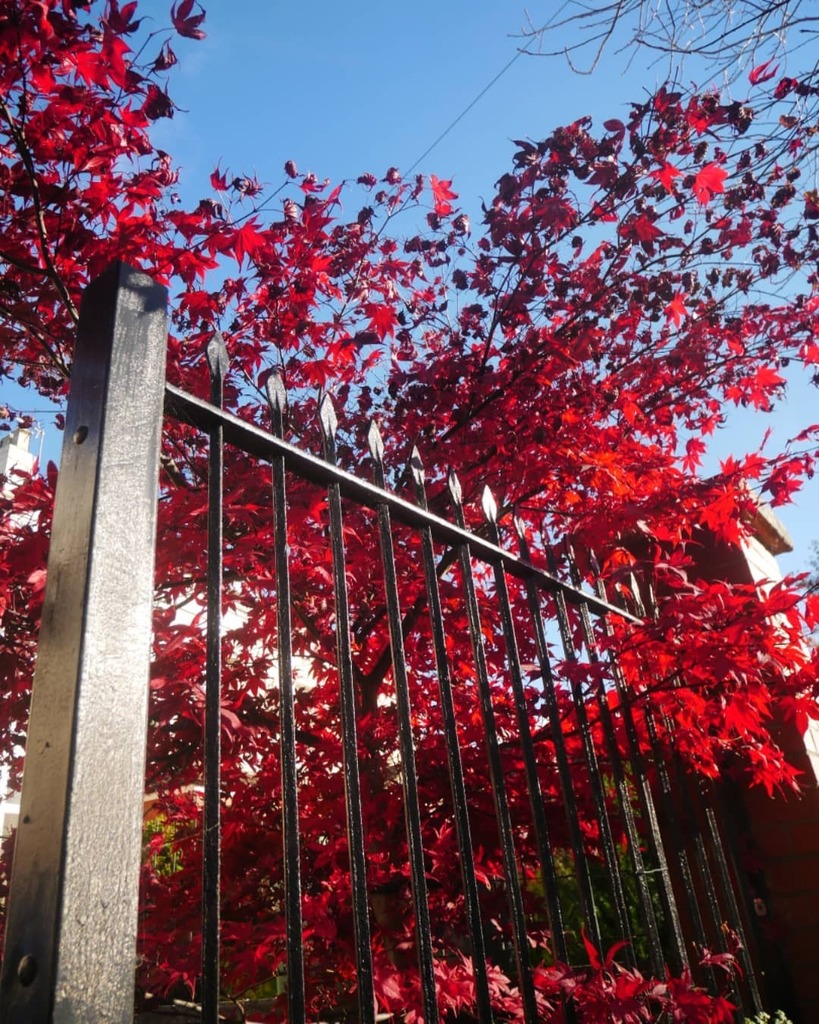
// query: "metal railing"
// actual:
[[72, 913]]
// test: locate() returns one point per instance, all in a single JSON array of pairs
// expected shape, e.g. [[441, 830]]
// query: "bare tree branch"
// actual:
[[727, 36]]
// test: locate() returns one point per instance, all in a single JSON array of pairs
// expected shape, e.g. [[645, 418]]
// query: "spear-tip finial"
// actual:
[[376, 444], [217, 356], [489, 505], [328, 418], [520, 530], [276, 393], [417, 467], [454, 485]]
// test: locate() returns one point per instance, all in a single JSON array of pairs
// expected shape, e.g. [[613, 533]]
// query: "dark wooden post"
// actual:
[[71, 925]]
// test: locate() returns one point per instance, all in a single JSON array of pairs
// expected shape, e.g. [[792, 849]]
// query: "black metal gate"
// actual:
[[72, 912]]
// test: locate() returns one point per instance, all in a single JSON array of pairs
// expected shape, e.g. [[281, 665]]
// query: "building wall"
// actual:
[[784, 849], [9, 806], [15, 453], [777, 839]]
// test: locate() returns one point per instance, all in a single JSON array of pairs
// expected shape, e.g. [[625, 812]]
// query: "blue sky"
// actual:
[[346, 88]]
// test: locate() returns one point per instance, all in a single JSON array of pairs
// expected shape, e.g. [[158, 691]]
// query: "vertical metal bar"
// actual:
[[672, 823], [700, 851], [707, 881], [646, 799], [412, 814], [622, 788], [456, 774], [710, 890], [349, 736], [72, 911], [714, 843], [544, 845], [595, 776], [734, 917], [211, 816], [504, 820], [671, 818], [289, 767], [563, 766]]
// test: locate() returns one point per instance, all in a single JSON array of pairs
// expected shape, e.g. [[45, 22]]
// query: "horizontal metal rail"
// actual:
[[258, 442]]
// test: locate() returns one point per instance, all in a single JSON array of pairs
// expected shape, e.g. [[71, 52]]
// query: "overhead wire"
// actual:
[[481, 94], [465, 111]]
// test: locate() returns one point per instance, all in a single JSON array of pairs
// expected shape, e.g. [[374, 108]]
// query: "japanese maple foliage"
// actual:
[[627, 283]]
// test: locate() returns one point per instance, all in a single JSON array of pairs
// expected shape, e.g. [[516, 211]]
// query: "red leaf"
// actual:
[[166, 59], [157, 104], [247, 240], [812, 610], [784, 87], [441, 194], [666, 175], [119, 21], [383, 320], [185, 23], [611, 955], [218, 181], [763, 73], [558, 214], [812, 205], [388, 986], [592, 952], [709, 182], [37, 580], [695, 448], [675, 310], [644, 229], [765, 381]]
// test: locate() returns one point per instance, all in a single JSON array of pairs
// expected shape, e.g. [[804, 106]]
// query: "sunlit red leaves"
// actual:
[[695, 448], [246, 240], [786, 478], [709, 182], [705, 111], [675, 311], [695, 1005], [383, 320], [441, 195], [103, 66], [666, 175], [757, 389], [576, 363], [722, 680], [25, 516]]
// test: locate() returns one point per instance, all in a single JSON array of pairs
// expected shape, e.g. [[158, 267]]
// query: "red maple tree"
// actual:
[[628, 283]]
